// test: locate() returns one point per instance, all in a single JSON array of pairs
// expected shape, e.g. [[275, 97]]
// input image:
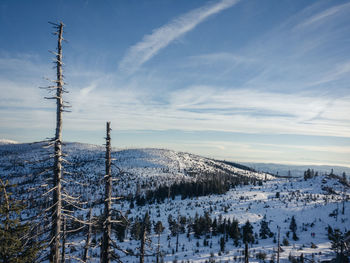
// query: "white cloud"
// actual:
[[323, 16], [220, 57], [161, 37], [217, 109], [339, 71]]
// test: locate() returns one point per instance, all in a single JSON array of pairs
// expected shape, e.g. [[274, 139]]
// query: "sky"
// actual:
[[239, 80]]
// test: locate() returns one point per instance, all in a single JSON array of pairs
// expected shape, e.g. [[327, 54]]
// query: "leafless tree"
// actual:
[[106, 244], [56, 212], [88, 237]]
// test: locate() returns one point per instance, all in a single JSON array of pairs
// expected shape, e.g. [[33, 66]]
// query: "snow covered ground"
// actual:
[[305, 200], [315, 203]]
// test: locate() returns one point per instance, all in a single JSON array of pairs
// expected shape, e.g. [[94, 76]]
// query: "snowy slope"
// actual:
[[308, 201], [311, 202], [142, 168]]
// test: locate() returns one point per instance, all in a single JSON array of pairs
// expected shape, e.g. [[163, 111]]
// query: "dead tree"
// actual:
[[158, 229], [106, 244], [278, 245], [144, 232], [177, 226], [344, 194], [142, 247], [56, 213], [63, 255], [87, 242]]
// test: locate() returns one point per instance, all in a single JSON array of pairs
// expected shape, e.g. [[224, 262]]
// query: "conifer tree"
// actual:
[[222, 244], [265, 231], [248, 235], [234, 232], [16, 243], [293, 228]]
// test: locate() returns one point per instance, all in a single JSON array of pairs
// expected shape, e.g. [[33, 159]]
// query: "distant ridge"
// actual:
[[6, 141], [297, 170]]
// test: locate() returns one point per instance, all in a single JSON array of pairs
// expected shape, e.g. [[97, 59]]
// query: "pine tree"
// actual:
[[214, 227], [265, 231], [293, 225], [16, 243], [222, 244], [136, 229], [248, 235], [234, 232]]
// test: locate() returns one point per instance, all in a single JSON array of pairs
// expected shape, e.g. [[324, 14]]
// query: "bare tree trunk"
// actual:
[[63, 241], [143, 242], [57, 201], [177, 236], [87, 243], [246, 253], [105, 249], [278, 246], [158, 248], [343, 209]]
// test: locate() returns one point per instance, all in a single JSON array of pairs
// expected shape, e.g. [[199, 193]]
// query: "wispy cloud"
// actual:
[[220, 57], [323, 16], [161, 37], [218, 109]]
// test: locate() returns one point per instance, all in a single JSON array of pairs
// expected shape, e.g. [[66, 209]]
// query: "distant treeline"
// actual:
[[206, 185]]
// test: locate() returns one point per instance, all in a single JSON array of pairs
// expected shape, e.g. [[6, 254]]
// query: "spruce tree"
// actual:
[[214, 227], [16, 243], [248, 235], [222, 244], [265, 231], [293, 225], [234, 232]]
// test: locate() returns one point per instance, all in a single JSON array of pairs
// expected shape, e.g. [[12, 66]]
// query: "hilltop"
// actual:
[[216, 190]]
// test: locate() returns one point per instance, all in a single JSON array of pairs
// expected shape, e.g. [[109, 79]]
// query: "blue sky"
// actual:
[[249, 80]]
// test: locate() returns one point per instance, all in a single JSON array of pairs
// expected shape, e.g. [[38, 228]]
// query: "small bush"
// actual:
[[313, 245], [261, 255]]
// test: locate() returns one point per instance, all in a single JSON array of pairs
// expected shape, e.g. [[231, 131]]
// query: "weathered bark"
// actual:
[[177, 235], [88, 238], [158, 248], [63, 255], [56, 215], [106, 244], [143, 242], [343, 209], [278, 246]]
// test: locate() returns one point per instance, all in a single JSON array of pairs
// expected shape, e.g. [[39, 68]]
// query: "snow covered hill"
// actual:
[[142, 169], [315, 203], [5, 141]]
